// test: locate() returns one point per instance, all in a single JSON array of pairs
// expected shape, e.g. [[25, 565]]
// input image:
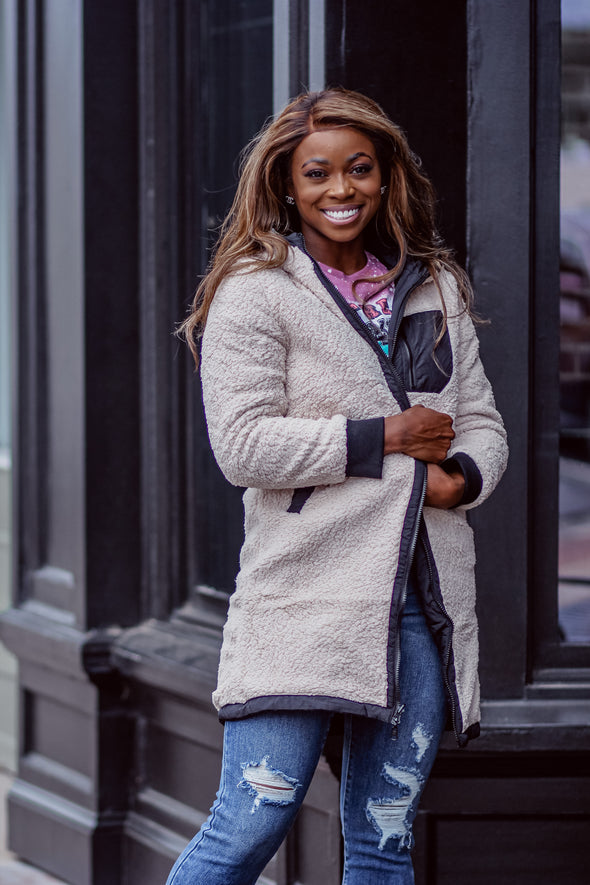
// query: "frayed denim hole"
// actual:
[[389, 816], [267, 785]]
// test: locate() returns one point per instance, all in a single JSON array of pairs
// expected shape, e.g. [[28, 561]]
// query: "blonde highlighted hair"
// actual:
[[260, 219]]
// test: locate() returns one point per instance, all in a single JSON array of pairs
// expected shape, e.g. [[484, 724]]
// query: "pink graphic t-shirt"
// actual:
[[372, 301]]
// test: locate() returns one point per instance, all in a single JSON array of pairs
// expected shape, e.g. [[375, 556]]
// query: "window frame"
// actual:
[[551, 656]]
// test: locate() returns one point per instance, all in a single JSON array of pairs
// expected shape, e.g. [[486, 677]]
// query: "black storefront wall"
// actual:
[[126, 533]]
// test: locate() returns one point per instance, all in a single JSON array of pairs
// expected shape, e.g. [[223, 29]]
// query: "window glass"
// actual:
[[574, 473], [239, 96], [6, 178], [236, 48]]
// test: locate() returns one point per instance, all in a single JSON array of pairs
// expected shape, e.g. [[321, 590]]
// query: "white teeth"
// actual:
[[340, 214]]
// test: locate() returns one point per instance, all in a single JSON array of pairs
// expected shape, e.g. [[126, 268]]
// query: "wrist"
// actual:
[[393, 435], [458, 486]]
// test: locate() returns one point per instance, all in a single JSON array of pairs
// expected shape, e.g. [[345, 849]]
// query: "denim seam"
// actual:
[[348, 729], [204, 830]]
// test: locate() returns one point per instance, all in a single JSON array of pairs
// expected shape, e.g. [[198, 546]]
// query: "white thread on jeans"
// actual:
[[267, 785]]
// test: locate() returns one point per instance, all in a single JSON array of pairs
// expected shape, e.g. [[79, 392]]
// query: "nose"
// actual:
[[341, 186]]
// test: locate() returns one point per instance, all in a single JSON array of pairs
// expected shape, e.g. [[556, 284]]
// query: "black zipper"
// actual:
[[404, 403], [408, 352], [398, 707], [367, 332], [444, 612]]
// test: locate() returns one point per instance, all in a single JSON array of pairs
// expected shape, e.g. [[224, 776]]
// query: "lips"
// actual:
[[342, 215]]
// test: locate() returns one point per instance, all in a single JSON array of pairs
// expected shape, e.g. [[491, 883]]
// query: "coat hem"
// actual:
[[266, 703], [288, 703], [472, 732]]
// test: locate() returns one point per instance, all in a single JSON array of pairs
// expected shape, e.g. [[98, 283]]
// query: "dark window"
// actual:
[[237, 96], [233, 68], [574, 356]]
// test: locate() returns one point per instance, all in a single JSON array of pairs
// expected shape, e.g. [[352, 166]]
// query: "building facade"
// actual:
[[129, 118]]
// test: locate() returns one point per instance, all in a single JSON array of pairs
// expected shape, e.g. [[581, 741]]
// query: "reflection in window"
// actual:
[[574, 473]]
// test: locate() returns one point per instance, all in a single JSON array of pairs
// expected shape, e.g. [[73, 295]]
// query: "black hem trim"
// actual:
[[285, 703], [266, 703], [469, 734]]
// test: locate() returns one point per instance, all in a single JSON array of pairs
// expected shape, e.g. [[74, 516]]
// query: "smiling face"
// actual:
[[336, 180]]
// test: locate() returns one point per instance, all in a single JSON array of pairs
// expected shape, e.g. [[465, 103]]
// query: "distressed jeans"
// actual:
[[269, 760]]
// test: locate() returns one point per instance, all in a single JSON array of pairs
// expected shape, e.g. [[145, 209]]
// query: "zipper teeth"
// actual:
[[410, 363], [396, 698], [387, 362], [366, 327], [443, 610]]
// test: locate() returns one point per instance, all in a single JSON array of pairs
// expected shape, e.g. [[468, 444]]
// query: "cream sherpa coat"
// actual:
[[295, 391]]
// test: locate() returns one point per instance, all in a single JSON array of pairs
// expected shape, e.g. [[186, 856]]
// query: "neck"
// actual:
[[346, 257]]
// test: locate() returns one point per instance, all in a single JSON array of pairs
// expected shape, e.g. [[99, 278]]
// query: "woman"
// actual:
[[342, 386]]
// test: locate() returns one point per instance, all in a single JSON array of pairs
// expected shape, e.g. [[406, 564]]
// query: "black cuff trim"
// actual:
[[467, 466], [364, 441]]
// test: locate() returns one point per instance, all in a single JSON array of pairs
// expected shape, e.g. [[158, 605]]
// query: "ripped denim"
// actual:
[[269, 760]]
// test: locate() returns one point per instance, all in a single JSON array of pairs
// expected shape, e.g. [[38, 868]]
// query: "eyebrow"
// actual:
[[350, 159]]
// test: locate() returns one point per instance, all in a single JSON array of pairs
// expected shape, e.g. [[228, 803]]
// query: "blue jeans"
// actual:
[[269, 760]]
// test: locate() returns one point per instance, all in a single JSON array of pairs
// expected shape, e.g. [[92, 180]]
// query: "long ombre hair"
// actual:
[[259, 219]]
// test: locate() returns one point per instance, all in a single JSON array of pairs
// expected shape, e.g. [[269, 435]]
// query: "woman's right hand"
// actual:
[[422, 433]]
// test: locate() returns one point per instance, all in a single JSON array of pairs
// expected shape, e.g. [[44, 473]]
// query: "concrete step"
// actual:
[[13, 871]]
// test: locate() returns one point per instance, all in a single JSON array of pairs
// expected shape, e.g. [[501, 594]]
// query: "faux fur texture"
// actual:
[[282, 371]]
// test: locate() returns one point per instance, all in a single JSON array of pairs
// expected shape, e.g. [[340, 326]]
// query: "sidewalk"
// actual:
[[12, 871]]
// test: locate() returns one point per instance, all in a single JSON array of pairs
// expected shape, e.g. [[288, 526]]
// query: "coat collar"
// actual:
[[412, 270]]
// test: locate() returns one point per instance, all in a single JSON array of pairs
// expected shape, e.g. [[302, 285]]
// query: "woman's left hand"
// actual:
[[443, 490]]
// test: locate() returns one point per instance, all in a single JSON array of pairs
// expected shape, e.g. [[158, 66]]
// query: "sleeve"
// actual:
[[364, 442], [243, 372], [480, 449]]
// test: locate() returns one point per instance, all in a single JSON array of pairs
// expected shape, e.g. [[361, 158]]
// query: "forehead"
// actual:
[[333, 145]]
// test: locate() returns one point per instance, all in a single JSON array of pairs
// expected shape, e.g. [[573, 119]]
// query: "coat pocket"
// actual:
[[300, 497], [423, 368]]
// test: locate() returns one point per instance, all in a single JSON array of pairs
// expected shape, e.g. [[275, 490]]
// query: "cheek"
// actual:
[[303, 194], [376, 200]]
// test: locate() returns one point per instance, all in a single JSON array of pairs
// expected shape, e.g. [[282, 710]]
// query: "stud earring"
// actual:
[[289, 199], [383, 189]]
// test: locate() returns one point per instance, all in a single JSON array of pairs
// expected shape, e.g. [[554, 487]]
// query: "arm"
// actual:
[[243, 373], [479, 450], [444, 490]]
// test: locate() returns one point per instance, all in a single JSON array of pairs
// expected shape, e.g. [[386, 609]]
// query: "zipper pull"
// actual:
[[396, 718]]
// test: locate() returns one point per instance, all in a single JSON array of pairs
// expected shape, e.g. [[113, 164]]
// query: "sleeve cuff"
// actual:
[[364, 441], [467, 466]]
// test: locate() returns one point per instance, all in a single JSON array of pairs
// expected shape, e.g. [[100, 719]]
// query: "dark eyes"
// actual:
[[359, 169]]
